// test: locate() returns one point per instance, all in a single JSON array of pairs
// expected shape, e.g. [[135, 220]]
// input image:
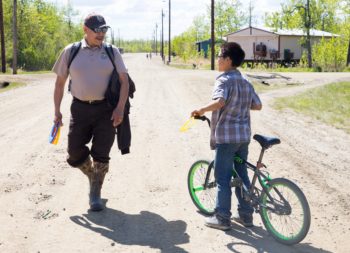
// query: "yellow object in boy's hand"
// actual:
[[188, 124]]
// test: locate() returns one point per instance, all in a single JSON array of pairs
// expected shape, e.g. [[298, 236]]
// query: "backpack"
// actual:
[[109, 50]]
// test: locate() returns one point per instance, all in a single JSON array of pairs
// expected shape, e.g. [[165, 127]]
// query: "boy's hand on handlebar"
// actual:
[[199, 112]]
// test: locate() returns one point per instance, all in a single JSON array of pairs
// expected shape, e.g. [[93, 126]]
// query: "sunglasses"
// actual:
[[99, 29]]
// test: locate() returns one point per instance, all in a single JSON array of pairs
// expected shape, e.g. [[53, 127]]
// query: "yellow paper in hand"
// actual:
[[55, 134], [55, 141], [188, 124]]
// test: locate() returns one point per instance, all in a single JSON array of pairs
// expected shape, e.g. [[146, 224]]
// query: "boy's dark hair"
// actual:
[[234, 52]]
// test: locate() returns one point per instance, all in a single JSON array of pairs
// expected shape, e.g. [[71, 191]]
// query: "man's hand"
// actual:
[[117, 116], [58, 118]]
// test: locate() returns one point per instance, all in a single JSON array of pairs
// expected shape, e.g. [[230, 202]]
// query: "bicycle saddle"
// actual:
[[266, 142]]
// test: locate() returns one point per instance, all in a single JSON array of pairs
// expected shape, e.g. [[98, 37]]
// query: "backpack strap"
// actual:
[[73, 53], [109, 50]]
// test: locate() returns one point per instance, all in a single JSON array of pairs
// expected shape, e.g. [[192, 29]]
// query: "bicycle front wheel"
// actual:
[[285, 211], [203, 195]]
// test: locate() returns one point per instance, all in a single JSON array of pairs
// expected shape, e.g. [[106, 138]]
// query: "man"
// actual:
[[233, 98], [91, 116]]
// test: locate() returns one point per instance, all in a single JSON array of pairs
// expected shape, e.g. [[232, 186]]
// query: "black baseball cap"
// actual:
[[94, 20]]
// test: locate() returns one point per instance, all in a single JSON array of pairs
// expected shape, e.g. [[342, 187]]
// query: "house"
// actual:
[[204, 46], [267, 44]]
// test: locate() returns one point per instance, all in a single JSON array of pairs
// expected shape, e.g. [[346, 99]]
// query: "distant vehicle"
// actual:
[[121, 50]]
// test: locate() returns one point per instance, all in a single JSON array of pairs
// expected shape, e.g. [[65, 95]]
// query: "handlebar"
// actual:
[[203, 118]]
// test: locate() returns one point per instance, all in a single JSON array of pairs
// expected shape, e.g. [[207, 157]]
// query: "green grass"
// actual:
[[14, 85], [330, 104], [23, 72], [293, 69], [278, 68]]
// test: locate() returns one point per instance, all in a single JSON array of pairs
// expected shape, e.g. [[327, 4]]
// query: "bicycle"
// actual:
[[282, 205]]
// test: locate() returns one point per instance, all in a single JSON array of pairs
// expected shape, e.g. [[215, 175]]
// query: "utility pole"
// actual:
[[156, 38], [112, 36], [307, 25], [2, 34], [154, 41], [169, 53], [308, 39], [212, 36], [15, 39], [162, 50], [119, 38], [250, 13], [250, 17], [348, 59]]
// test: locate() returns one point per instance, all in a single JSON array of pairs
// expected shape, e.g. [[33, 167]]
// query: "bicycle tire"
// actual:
[[299, 212], [203, 199]]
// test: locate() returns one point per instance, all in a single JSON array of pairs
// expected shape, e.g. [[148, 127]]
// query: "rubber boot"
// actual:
[[86, 168], [99, 172]]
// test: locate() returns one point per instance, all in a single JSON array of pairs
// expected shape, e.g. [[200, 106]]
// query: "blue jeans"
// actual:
[[224, 162]]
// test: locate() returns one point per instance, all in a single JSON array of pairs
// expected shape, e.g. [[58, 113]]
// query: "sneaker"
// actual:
[[246, 219], [217, 222]]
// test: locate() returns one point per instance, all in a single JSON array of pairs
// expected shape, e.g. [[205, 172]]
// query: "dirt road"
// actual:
[[44, 202]]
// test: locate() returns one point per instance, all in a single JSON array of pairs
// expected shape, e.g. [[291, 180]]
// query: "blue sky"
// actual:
[[137, 18]]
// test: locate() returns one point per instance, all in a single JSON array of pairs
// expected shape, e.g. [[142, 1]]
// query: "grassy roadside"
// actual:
[[13, 85], [261, 88], [22, 72], [330, 104]]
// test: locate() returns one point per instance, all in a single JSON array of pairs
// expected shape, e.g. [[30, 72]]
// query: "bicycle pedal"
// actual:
[[236, 182]]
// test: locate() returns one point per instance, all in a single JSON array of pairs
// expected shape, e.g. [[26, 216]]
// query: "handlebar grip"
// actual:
[[202, 118]]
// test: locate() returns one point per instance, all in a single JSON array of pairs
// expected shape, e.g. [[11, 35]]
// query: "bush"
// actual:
[[330, 55]]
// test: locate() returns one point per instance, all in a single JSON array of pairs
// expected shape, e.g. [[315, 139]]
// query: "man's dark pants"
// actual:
[[90, 121]]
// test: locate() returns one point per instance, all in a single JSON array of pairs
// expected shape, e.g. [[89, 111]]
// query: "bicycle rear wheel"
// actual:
[[286, 214], [204, 197]]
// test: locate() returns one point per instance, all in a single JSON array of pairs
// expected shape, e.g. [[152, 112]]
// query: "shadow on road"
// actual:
[[260, 241], [144, 229]]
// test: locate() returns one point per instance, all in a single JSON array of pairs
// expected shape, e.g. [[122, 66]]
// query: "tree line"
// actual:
[[34, 32]]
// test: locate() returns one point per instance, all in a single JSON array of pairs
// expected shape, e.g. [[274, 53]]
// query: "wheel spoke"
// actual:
[[282, 225], [203, 197]]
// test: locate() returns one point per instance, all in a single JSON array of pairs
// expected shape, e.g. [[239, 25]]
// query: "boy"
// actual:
[[233, 98]]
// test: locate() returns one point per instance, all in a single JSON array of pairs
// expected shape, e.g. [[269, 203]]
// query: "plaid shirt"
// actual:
[[231, 124]]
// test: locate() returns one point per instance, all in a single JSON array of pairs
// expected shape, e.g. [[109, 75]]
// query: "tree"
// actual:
[[229, 17], [2, 35], [346, 27], [201, 27]]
